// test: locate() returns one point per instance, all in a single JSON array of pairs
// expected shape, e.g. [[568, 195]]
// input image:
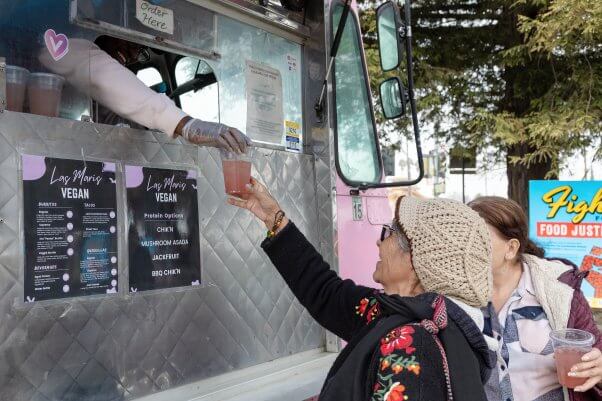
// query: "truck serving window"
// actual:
[[355, 131], [188, 81]]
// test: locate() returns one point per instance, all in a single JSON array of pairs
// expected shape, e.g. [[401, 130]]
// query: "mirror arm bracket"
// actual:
[[403, 32]]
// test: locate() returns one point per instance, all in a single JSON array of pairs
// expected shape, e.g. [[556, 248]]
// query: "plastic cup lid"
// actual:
[[573, 336], [16, 74], [47, 75], [16, 68], [46, 81], [226, 155]]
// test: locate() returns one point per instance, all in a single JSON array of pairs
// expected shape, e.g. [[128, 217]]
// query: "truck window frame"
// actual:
[[352, 23], [178, 99]]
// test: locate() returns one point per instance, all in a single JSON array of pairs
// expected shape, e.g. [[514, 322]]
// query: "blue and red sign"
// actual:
[[565, 218]]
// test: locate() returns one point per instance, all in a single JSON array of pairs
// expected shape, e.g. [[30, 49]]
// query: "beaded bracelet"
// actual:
[[277, 221]]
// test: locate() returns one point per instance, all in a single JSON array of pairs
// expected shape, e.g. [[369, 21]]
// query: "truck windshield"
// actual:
[[356, 142]]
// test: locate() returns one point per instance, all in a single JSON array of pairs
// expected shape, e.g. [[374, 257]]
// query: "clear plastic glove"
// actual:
[[215, 134]]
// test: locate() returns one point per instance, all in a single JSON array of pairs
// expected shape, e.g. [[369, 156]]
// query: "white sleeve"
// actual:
[[95, 73]]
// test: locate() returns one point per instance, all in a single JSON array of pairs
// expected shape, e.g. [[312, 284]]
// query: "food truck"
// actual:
[[124, 274]]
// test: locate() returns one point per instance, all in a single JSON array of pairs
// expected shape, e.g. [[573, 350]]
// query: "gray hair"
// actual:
[[402, 239]]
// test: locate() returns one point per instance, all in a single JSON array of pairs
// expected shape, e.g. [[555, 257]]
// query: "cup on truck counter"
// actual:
[[569, 346], [44, 93], [16, 84], [237, 171]]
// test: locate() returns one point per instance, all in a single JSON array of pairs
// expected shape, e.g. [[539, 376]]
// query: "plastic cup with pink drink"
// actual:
[[569, 347], [237, 171], [16, 84], [44, 93]]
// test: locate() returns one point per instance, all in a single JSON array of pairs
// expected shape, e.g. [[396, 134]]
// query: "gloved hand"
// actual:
[[215, 134]]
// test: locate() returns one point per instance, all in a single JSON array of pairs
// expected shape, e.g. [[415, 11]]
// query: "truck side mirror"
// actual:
[[392, 98], [389, 25]]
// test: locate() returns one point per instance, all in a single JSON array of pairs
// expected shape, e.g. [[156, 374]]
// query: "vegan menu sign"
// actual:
[[565, 218], [163, 233], [70, 228]]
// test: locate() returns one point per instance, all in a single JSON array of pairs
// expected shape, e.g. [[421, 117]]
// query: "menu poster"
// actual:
[[70, 228], [162, 207]]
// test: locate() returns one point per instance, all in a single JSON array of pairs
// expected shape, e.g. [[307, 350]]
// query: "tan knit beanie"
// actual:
[[450, 246]]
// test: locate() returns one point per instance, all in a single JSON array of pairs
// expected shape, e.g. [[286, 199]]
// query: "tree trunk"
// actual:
[[519, 175], [518, 104]]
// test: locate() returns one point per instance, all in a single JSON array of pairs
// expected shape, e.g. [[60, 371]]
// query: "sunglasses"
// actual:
[[126, 58], [386, 232]]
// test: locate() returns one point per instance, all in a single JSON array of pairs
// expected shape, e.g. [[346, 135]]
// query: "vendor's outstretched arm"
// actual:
[[95, 73]]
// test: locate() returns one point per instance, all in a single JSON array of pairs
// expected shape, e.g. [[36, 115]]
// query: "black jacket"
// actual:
[[390, 356]]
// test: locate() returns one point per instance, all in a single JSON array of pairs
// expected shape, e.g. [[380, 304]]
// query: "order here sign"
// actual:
[[565, 218]]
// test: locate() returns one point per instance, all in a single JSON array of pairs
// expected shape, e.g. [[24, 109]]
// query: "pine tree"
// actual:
[[524, 77]]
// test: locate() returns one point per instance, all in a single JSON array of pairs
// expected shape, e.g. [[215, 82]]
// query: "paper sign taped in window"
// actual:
[[155, 17], [264, 103]]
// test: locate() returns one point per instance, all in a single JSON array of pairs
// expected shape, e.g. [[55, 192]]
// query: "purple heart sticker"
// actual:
[[57, 44]]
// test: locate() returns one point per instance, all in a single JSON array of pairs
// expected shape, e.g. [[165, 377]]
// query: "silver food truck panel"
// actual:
[[129, 345]]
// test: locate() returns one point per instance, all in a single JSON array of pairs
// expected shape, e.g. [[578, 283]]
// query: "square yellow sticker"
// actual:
[[292, 136]]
